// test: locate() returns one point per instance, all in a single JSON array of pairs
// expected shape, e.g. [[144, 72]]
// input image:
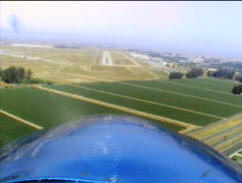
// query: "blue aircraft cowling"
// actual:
[[114, 149]]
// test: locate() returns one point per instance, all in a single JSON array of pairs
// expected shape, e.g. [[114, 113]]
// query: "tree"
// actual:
[[29, 74], [0, 72], [239, 78], [237, 90], [210, 73], [9, 75], [20, 74], [224, 73], [175, 75], [14, 75], [194, 73]]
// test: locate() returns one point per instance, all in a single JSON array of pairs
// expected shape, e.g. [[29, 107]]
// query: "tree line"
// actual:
[[19, 75], [197, 72], [15, 74], [220, 73], [192, 73], [228, 74]]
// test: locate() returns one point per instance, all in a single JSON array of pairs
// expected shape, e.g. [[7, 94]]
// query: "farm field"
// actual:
[[11, 129], [202, 92], [139, 105], [224, 136], [44, 109], [197, 107], [169, 98], [209, 84]]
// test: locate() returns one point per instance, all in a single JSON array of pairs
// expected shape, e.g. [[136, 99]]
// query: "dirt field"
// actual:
[[73, 65]]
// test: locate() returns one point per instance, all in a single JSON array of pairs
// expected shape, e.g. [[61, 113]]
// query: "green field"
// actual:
[[44, 109], [212, 84], [174, 86], [165, 97], [189, 101], [141, 106], [203, 106], [11, 129]]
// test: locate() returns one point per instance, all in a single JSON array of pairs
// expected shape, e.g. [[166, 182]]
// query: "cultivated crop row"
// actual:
[[11, 129], [168, 112], [212, 95], [196, 105], [46, 109]]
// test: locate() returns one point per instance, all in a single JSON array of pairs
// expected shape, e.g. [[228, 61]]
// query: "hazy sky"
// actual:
[[193, 27]]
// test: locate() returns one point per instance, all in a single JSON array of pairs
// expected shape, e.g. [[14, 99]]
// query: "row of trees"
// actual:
[[239, 78], [222, 73], [196, 72], [175, 75], [20, 75], [15, 74], [227, 74], [192, 73]]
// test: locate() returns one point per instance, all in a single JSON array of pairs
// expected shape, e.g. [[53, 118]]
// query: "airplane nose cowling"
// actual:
[[110, 149]]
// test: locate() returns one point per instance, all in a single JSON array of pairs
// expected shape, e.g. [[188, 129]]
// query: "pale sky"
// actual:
[[213, 28]]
